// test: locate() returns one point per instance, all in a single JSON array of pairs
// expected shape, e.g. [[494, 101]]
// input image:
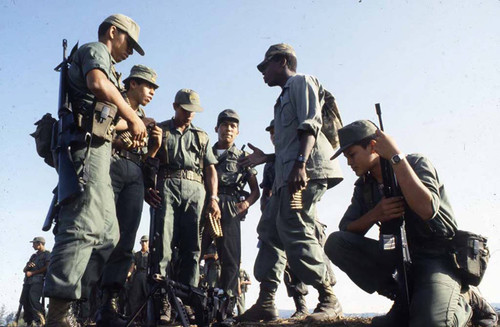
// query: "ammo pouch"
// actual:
[[470, 256], [102, 123]]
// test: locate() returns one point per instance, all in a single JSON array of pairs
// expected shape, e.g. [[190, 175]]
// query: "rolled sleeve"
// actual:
[[209, 156], [306, 99], [96, 57]]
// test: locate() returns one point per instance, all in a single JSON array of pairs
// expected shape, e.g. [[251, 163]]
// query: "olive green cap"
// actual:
[[127, 25], [271, 125], [188, 100], [280, 48], [353, 133], [39, 239], [144, 238], [144, 73], [228, 114]]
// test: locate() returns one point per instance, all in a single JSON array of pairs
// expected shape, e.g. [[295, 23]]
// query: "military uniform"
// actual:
[[33, 288], [139, 284], [182, 158], [436, 299], [243, 277]]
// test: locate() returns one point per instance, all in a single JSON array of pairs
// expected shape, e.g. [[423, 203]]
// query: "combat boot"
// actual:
[[108, 315], [165, 311], [300, 307], [483, 314], [263, 310], [396, 317], [328, 308], [60, 314]]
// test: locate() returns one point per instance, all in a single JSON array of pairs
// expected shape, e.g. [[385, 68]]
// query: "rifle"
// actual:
[[393, 232], [63, 134]]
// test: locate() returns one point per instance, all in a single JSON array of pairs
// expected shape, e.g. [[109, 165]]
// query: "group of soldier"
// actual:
[[190, 184]]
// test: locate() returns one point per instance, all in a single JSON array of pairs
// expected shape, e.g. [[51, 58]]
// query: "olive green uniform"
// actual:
[[283, 231], [33, 288], [182, 158], [243, 277], [87, 230]]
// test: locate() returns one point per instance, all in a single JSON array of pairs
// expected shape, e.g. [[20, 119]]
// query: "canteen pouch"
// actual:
[[103, 120], [470, 256]]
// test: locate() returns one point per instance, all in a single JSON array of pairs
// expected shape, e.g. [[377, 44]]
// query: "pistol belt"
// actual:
[[134, 157], [180, 174]]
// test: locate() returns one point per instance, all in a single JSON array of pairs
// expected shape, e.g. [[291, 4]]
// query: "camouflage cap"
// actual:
[[271, 125], [144, 73], [38, 239], [127, 25], [188, 100], [228, 114], [144, 238], [354, 132], [280, 48]]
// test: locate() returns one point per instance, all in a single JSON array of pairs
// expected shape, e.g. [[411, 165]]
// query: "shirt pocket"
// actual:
[[288, 115]]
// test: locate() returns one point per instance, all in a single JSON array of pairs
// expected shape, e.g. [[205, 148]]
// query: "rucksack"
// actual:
[[331, 119], [43, 138]]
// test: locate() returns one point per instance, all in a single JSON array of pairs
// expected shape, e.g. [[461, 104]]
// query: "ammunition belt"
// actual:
[[190, 175], [134, 157]]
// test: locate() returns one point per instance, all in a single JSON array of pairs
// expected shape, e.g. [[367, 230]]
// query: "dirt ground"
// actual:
[[345, 322]]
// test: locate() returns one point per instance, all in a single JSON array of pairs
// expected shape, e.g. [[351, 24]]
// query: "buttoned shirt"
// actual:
[[40, 259], [229, 173]]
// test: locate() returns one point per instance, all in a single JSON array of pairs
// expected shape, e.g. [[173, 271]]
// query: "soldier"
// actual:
[[430, 222], [138, 274], [185, 171], [128, 187], [34, 274], [243, 282], [234, 201], [87, 229], [303, 169], [211, 269]]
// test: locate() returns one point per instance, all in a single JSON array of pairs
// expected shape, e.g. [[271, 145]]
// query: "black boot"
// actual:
[[108, 315], [328, 308], [396, 317], [300, 307], [165, 311], [60, 314], [264, 309], [483, 314]]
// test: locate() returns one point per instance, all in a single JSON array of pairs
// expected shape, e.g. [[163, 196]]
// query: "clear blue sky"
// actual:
[[433, 65]]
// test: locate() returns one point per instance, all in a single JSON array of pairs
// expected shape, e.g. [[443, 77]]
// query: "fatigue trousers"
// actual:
[[87, 229], [283, 231], [138, 291], [435, 300], [178, 219], [128, 187], [31, 296], [294, 286]]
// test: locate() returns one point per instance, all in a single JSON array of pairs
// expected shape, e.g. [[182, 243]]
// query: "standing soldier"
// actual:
[[243, 282], [185, 171], [87, 230], [138, 274], [211, 269], [34, 273], [128, 186], [304, 171], [234, 201]]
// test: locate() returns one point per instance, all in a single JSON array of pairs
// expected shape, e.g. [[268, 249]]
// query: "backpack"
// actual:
[[331, 118], [43, 138]]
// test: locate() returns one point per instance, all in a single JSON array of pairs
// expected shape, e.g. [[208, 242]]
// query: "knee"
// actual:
[[333, 246]]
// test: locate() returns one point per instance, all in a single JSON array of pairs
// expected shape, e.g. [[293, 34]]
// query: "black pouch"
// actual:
[[102, 123], [470, 255], [43, 138]]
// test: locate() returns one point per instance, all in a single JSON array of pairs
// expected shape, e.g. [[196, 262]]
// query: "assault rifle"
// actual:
[[393, 232], [63, 133]]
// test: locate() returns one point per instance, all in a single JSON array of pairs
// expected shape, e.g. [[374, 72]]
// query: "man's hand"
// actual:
[[390, 208], [137, 128], [385, 145], [213, 209], [297, 180], [256, 158], [242, 206], [152, 197], [29, 274], [155, 138]]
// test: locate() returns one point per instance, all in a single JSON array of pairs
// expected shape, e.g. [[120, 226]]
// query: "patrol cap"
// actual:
[[144, 238], [228, 115], [271, 125], [127, 25], [280, 48], [39, 239], [144, 73], [354, 132], [188, 100]]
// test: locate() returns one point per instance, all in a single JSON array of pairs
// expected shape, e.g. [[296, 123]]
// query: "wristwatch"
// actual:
[[301, 158], [214, 197], [397, 158]]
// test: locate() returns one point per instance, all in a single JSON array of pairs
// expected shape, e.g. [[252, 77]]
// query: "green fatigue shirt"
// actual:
[[420, 233], [184, 150], [232, 177], [298, 108], [90, 56], [40, 259], [141, 260]]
